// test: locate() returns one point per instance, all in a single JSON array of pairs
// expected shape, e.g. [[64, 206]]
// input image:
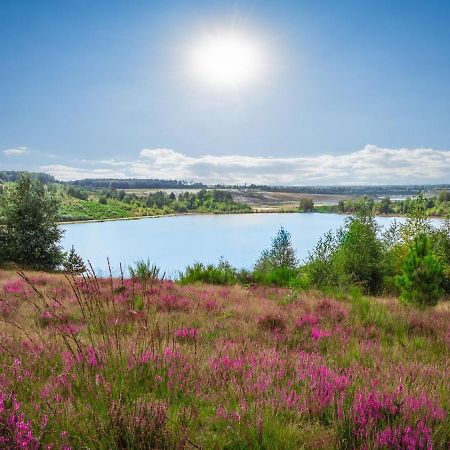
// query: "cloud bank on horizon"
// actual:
[[370, 165]]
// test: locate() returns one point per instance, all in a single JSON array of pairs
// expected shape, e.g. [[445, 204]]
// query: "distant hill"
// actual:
[[135, 183], [13, 175], [373, 191], [155, 183]]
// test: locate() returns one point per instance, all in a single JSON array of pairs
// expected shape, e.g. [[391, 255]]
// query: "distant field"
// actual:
[[145, 192], [258, 199], [263, 200]]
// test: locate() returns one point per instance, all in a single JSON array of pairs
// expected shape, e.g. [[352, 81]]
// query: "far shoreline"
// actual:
[[255, 211]]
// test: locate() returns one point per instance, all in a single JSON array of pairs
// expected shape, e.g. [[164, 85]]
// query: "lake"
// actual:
[[174, 242]]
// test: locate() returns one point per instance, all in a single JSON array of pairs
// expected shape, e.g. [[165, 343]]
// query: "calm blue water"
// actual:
[[174, 242]]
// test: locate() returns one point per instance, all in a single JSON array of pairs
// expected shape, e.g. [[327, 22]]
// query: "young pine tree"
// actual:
[[73, 263], [420, 283], [280, 255]]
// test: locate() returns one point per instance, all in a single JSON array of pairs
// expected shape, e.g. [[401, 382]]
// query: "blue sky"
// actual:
[[353, 92]]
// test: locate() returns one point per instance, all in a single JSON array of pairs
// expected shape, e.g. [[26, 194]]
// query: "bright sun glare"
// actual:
[[227, 60]]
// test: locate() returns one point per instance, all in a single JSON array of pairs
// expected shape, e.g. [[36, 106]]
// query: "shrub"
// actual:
[[420, 283], [271, 322], [143, 425], [145, 272], [222, 273], [278, 276]]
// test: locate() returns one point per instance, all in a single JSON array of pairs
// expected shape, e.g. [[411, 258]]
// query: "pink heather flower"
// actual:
[[211, 305], [13, 287], [46, 315], [406, 437], [307, 320], [20, 431], [92, 357], [186, 333], [317, 333]]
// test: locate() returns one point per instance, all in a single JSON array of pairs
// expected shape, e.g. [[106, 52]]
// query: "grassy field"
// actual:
[[157, 203], [78, 210], [115, 364]]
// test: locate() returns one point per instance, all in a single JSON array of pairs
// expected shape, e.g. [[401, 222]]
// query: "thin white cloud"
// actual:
[[15, 151], [370, 165]]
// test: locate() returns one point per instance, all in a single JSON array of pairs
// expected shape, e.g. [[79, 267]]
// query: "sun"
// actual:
[[227, 59]]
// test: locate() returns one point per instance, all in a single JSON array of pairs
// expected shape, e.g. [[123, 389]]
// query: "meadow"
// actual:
[[146, 363]]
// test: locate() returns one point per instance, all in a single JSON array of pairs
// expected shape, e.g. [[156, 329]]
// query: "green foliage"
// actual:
[[420, 283], [319, 268], [281, 255], [417, 222], [306, 205], [353, 255], [385, 206], [440, 244], [277, 276], [222, 273], [444, 196], [359, 256], [30, 235], [76, 192], [73, 263], [145, 272], [114, 204]]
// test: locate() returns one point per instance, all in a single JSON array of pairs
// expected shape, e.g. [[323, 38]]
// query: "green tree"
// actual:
[[73, 263], [444, 196], [417, 222], [385, 206], [420, 282], [280, 255], [30, 233], [359, 257], [306, 205]]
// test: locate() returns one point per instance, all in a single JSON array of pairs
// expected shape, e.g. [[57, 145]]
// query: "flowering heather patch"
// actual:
[[186, 334], [16, 430], [110, 363], [307, 320], [318, 333], [14, 287]]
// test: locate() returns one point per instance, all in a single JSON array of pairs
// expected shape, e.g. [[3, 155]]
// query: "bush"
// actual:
[[420, 283], [145, 272], [278, 276], [222, 273], [271, 322]]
